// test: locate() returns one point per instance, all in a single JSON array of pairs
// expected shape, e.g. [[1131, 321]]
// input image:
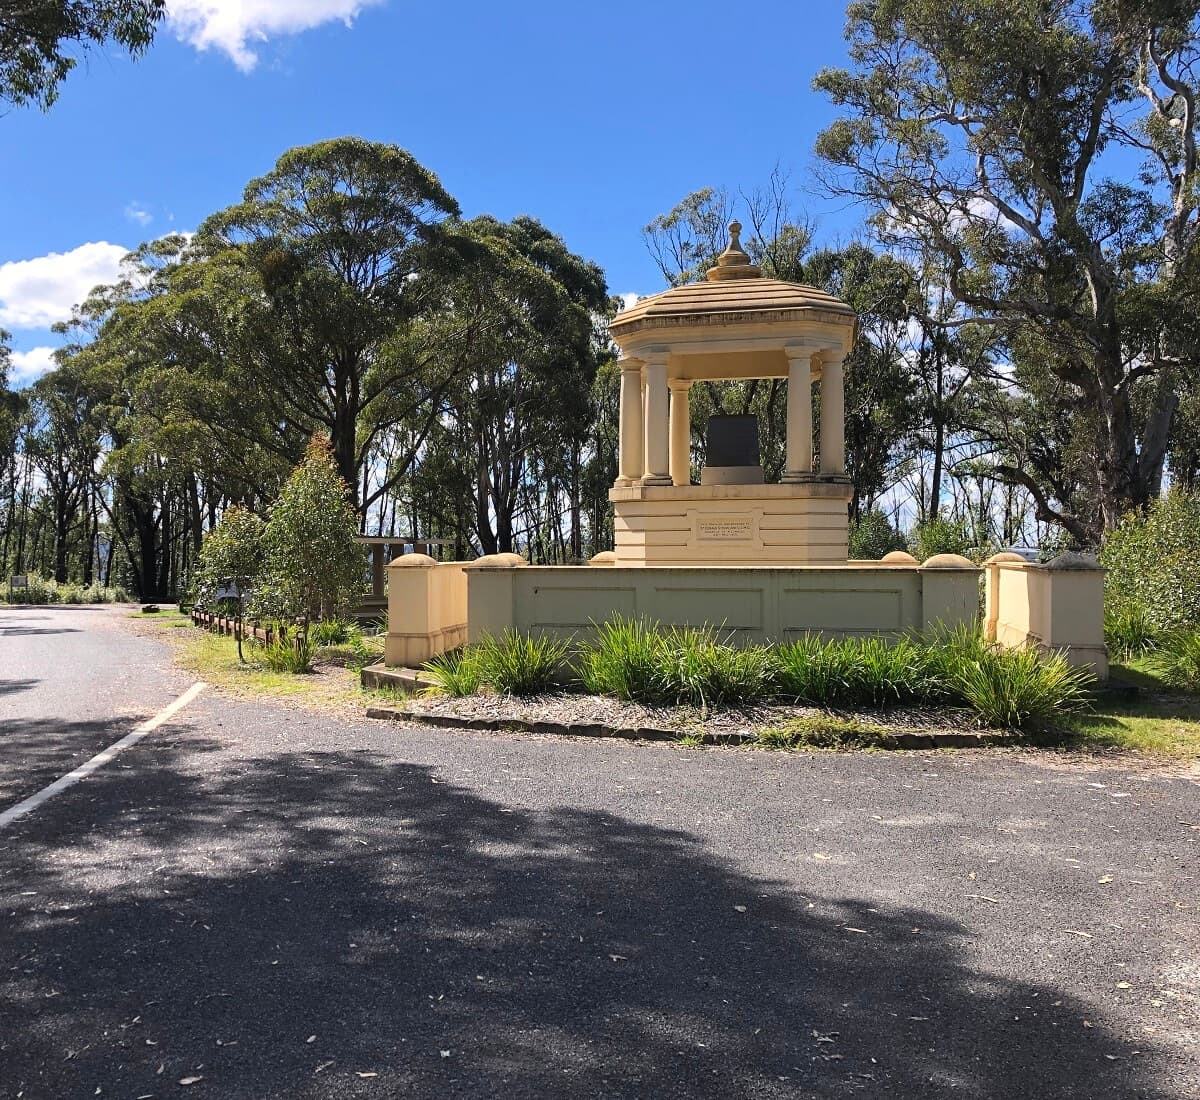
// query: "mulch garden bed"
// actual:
[[600, 716]]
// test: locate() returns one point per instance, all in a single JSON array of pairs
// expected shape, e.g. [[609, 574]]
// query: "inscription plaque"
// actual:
[[725, 529]]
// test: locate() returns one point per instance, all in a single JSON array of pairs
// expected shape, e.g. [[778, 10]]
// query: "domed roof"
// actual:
[[735, 292]]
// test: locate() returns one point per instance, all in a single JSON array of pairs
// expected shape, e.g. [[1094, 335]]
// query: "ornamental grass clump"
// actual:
[[285, 654], [455, 673], [519, 664], [1177, 661], [820, 671], [1128, 631], [697, 668], [1020, 688], [623, 661]]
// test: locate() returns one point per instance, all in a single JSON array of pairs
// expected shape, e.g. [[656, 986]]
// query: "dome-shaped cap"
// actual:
[[734, 292]]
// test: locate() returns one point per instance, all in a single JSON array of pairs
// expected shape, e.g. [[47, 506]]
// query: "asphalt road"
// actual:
[[271, 904]]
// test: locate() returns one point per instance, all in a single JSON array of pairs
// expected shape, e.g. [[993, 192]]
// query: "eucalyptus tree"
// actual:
[[334, 257], [524, 313], [983, 132], [41, 40]]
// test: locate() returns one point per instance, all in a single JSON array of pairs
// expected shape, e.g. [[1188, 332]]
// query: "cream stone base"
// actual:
[[1055, 607], [805, 523]]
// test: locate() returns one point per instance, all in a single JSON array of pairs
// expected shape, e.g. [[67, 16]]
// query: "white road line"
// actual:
[[100, 759]]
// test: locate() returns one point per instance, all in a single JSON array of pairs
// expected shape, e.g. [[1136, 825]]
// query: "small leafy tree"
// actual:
[[872, 536], [232, 556], [314, 566], [938, 535], [1153, 564]]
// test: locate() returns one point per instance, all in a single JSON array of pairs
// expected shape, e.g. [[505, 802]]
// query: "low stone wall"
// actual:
[[752, 604], [1055, 606], [427, 609]]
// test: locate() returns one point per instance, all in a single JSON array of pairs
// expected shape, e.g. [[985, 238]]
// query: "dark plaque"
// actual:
[[732, 441]]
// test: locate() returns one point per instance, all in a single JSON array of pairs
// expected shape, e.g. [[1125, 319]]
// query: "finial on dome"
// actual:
[[734, 262]]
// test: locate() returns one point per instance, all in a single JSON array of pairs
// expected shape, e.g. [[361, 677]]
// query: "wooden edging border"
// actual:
[[905, 740]]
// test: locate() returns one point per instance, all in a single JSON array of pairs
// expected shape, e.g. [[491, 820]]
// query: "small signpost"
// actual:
[[19, 580]]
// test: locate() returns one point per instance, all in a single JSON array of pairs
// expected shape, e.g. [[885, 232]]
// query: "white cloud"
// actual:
[[29, 366], [41, 292], [233, 25], [629, 300], [137, 212]]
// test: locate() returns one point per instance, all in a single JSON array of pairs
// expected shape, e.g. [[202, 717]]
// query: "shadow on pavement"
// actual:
[[209, 919], [36, 751], [11, 687], [30, 631]]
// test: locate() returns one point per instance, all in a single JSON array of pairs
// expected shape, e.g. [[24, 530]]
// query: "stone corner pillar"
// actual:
[[798, 466], [631, 431], [658, 461], [833, 414], [681, 432]]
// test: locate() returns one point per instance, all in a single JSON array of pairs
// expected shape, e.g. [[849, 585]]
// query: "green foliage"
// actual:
[[456, 673], [334, 632], [518, 664], [313, 565], [1128, 631], [622, 661], [873, 535], [696, 667], [825, 731], [938, 535], [1153, 565], [40, 41], [1177, 660], [43, 590], [854, 671], [232, 554], [637, 661], [293, 653], [1021, 688]]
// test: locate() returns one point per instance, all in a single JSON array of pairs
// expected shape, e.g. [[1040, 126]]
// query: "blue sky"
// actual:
[[593, 118]]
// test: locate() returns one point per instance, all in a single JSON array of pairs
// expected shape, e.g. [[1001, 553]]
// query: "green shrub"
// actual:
[[46, 591], [937, 535], [334, 632], [456, 673], [622, 661], [1152, 564], [518, 664], [695, 667], [873, 535], [1177, 660], [817, 670], [287, 654], [1128, 631], [1021, 688], [873, 672]]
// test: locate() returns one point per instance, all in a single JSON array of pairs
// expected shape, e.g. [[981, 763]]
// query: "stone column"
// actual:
[[681, 432], [630, 465], [658, 463], [799, 416], [833, 415]]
